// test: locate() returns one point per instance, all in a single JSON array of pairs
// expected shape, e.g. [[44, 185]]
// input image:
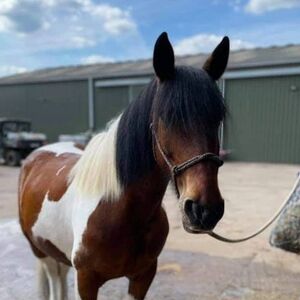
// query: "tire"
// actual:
[[12, 158]]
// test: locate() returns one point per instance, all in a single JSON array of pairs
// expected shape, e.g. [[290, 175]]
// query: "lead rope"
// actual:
[[275, 216]]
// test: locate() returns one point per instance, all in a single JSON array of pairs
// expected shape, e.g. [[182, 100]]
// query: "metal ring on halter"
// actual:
[[177, 169]]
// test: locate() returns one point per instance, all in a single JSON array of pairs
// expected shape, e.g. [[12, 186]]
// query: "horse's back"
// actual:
[[44, 197]]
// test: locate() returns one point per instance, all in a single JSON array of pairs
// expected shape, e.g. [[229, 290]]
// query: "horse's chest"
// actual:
[[120, 248]]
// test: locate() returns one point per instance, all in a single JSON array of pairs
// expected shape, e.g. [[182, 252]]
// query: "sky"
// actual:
[[37, 34]]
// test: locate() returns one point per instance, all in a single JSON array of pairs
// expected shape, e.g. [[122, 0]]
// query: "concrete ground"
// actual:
[[191, 266]]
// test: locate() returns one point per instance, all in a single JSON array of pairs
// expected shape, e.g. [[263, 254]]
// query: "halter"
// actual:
[[176, 170]]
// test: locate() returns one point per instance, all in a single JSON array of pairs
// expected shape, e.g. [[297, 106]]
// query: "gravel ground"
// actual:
[[191, 267]]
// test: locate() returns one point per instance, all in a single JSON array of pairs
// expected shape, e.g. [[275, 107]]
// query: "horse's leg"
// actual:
[[64, 269], [87, 284], [42, 281], [56, 275], [139, 285]]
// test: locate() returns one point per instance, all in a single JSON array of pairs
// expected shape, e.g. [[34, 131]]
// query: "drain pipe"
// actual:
[[91, 104]]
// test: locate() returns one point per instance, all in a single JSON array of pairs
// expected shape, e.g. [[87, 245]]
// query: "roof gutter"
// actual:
[[264, 72]]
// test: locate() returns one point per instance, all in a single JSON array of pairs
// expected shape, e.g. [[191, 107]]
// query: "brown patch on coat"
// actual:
[[47, 247], [37, 177]]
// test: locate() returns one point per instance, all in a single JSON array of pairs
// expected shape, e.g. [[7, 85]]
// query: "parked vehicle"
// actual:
[[17, 140]]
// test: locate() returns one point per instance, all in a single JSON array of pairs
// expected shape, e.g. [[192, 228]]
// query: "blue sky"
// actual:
[[45, 33]]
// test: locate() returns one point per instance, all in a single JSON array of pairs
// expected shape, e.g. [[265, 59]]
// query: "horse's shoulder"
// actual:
[[46, 171], [43, 177]]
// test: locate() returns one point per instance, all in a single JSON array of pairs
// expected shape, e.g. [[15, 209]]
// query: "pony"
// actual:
[[99, 210]]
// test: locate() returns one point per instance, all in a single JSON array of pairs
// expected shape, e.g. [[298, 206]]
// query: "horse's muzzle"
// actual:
[[201, 218]]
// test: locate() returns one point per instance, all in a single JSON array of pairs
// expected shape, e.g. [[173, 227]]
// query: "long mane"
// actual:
[[134, 156], [94, 174]]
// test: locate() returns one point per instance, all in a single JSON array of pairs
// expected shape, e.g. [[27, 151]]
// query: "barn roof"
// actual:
[[241, 59]]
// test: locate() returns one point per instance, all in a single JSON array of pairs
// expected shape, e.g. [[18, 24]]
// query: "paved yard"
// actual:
[[191, 267]]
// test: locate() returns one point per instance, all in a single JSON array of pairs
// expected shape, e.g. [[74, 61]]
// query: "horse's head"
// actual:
[[187, 113]]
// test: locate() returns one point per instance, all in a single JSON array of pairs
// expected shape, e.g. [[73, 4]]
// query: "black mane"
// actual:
[[190, 101]]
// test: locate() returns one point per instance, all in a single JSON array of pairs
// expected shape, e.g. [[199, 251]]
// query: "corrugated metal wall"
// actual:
[[263, 123], [135, 91], [53, 108], [111, 101]]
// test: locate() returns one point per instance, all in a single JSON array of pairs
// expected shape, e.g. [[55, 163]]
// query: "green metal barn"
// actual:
[[261, 88]]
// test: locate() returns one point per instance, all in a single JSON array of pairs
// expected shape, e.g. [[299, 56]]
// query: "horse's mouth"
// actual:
[[194, 230]]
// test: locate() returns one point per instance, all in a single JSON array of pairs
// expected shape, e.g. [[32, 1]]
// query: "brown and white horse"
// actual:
[[99, 210]]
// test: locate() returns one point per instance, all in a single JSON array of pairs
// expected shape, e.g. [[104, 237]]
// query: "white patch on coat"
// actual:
[[63, 222], [54, 222], [61, 148], [59, 170], [95, 173], [82, 210]]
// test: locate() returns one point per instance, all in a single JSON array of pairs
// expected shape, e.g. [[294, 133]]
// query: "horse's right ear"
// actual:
[[163, 58], [217, 62]]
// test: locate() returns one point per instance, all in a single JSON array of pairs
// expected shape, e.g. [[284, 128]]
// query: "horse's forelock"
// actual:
[[191, 101]]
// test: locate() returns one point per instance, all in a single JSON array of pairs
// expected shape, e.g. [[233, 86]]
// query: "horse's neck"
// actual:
[[147, 194]]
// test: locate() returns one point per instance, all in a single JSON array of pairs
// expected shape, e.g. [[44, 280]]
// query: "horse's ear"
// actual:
[[163, 58], [216, 64]]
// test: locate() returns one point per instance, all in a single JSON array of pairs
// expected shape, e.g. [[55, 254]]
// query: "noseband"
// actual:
[[176, 170]]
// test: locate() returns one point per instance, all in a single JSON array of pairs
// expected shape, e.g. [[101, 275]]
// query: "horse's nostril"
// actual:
[[202, 216], [197, 210], [188, 206], [193, 210]]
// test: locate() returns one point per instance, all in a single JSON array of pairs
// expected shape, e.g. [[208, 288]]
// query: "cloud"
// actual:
[[261, 6], [204, 43], [39, 33], [9, 70], [5, 23], [7, 5], [21, 16], [81, 42], [93, 59], [64, 23], [115, 20]]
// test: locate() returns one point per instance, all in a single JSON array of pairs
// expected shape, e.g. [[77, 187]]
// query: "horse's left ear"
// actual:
[[163, 58], [216, 64]]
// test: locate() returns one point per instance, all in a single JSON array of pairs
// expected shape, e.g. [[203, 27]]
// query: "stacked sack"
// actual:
[[286, 233]]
